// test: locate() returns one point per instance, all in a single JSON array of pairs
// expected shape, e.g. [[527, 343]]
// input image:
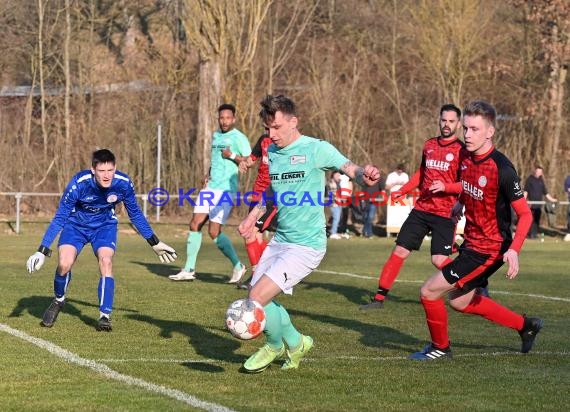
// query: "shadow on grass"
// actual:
[[162, 270], [375, 336], [358, 296], [378, 336], [206, 344], [36, 305]]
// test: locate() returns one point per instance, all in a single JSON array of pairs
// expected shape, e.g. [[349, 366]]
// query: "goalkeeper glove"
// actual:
[[36, 261], [165, 253]]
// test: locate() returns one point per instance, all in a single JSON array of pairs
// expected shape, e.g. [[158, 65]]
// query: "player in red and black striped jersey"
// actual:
[[437, 179], [254, 242], [490, 186]]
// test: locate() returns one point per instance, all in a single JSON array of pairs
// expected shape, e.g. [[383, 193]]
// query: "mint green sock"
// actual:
[[272, 329], [225, 245], [291, 336], [192, 248]]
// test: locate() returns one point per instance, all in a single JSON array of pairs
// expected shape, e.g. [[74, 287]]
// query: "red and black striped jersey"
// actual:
[[440, 161], [259, 151], [489, 185]]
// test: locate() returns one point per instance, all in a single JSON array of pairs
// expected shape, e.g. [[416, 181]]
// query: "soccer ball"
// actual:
[[245, 319]]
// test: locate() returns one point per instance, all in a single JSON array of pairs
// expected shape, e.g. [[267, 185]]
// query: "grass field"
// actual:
[[169, 349]]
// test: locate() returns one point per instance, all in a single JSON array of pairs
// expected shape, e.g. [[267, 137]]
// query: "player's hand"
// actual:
[[246, 164], [165, 253], [370, 175], [246, 226], [398, 197], [35, 262], [437, 186], [226, 152], [512, 259], [457, 212]]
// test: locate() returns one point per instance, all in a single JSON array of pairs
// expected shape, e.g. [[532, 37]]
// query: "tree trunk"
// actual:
[[210, 92]]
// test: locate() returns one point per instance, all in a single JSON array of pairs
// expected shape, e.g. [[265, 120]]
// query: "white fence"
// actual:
[[395, 221], [18, 196]]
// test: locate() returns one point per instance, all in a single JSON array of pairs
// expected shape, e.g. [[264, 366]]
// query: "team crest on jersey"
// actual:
[[112, 198], [482, 181], [298, 159], [449, 157]]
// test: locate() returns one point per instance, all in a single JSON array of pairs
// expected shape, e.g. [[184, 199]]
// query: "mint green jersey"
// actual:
[[224, 172], [298, 181]]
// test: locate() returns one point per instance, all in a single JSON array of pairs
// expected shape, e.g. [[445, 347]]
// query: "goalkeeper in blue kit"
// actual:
[[86, 214]]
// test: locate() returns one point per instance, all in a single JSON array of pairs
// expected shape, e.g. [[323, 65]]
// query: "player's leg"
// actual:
[[442, 240], [218, 215], [105, 288], [281, 267], [476, 304], [104, 242], [409, 238], [263, 292], [70, 244], [193, 244], [225, 246], [432, 299]]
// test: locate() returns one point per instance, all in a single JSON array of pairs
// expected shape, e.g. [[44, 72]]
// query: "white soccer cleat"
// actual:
[[237, 274], [183, 275], [335, 236]]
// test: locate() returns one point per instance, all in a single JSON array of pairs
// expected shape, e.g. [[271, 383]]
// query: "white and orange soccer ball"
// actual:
[[245, 319]]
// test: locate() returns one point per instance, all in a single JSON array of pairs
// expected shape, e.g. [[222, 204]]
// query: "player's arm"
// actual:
[[364, 176], [246, 225], [228, 154], [165, 253], [66, 205]]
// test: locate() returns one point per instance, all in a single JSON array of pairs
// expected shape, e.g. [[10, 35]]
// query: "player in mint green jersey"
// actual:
[[216, 199], [297, 166]]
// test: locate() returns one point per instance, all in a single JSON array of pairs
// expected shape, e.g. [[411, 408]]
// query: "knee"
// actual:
[[64, 265], [106, 264], [457, 305]]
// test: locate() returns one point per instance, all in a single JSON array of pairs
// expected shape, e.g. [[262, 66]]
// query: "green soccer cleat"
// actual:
[[261, 359], [294, 357]]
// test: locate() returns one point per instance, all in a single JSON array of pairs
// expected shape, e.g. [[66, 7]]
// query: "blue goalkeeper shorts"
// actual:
[[78, 237]]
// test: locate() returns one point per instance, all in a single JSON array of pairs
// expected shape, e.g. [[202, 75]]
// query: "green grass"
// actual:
[[172, 335]]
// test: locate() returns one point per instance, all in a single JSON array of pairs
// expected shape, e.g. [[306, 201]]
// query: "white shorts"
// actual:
[[287, 264], [208, 202]]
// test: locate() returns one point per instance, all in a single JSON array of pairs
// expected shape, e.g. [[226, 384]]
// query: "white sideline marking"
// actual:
[[498, 292], [110, 373]]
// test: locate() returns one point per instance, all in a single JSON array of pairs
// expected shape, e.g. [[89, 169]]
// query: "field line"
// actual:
[[110, 373], [498, 292]]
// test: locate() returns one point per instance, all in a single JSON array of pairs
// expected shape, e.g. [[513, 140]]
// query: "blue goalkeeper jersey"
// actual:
[[87, 205]]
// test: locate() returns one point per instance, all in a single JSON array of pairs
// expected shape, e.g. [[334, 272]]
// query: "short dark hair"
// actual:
[[273, 104], [450, 108], [102, 156], [227, 106], [481, 108], [401, 166]]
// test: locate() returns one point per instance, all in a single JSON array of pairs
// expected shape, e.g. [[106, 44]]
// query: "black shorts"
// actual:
[[471, 269], [418, 224]]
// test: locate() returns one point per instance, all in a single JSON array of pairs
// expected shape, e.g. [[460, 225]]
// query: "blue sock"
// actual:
[[192, 248], [106, 293], [60, 284], [291, 336], [272, 329], [225, 245]]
